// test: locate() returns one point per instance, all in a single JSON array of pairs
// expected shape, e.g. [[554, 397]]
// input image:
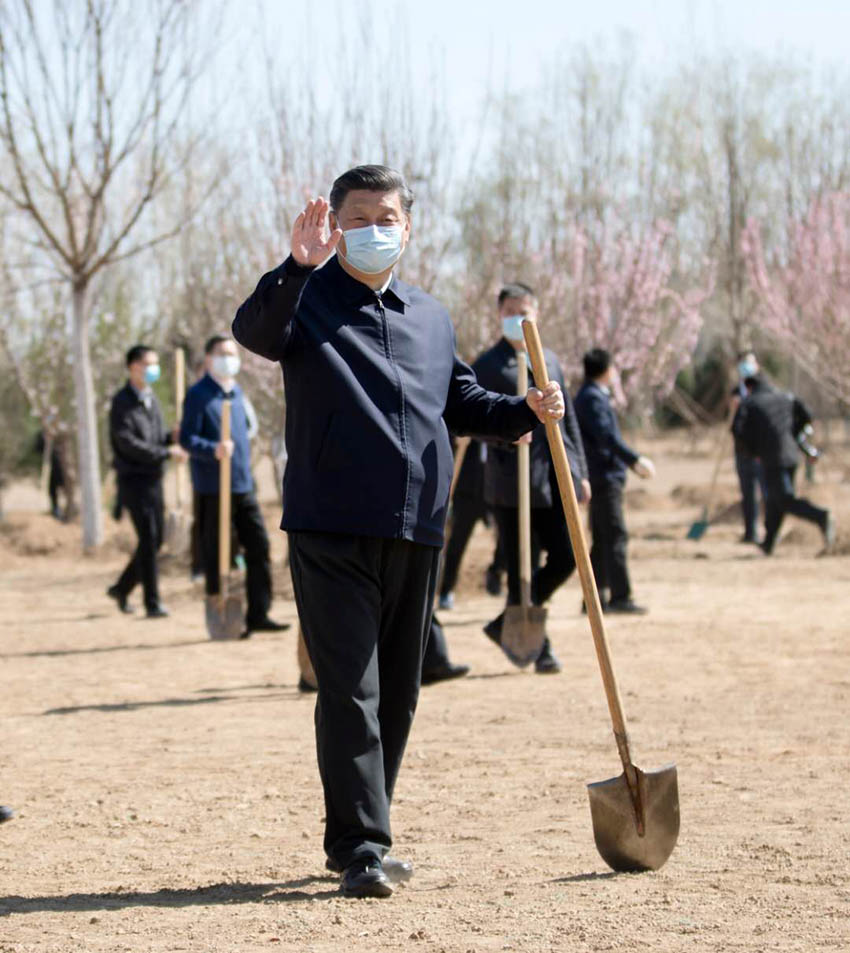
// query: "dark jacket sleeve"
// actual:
[[127, 442], [800, 417], [263, 323], [191, 425], [472, 410]]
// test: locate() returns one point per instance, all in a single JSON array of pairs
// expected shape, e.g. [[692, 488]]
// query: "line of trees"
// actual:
[[660, 214]]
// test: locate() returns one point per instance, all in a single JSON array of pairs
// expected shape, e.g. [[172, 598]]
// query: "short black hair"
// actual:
[[596, 361], [516, 290], [214, 342], [137, 353], [371, 178]]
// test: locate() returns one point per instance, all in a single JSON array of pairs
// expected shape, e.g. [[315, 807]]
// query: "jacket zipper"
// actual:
[[402, 426]]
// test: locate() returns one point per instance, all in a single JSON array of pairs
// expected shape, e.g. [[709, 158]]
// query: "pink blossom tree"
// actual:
[[803, 289]]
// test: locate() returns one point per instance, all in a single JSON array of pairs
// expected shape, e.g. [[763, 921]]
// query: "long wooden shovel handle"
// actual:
[[582, 556], [523, 495], [179, 397], [224, 505]]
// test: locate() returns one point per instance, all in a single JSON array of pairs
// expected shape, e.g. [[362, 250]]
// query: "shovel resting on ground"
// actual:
[[224, 611], [523, 626], [636, 815]]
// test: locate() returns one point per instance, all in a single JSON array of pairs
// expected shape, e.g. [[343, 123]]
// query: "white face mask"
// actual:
[[373, 249], [512, 327], [226, 365]]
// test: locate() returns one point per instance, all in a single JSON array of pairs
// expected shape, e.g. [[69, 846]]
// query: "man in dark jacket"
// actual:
[[770, 425], [200, 434], [496, 370], [608, 459], [141, 445], [468, 507], [373, 385]]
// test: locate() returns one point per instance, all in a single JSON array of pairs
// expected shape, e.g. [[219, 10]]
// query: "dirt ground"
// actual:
[[168, 798]]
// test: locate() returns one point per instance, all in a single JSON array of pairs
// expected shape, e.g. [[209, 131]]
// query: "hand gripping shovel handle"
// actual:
[[582, 556], [224, 507]]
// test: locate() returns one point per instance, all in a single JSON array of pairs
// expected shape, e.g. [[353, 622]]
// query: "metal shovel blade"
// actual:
[[225, 616], [615, 825], [523, 633]]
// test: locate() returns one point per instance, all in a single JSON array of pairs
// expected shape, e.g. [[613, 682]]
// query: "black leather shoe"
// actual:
[[493, 629], [547, 662], [442, 674], [397, 871], [305, 687], [115, 593], [157, 612], [493, 581], [625, 607], [267, 625], [6, 814], [365, 878]]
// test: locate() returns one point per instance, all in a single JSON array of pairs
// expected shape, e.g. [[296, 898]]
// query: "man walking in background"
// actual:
[[608, 459], [141, 445], [373, 386], [200, 434], [749, 469], [772, 426], [496, 370]]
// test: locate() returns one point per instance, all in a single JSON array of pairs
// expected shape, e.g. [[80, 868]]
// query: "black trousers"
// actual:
[[365, 609], [750, 476], [550, 535], [142, 498], [610, 541], [781, 500], [252, 536], [466, 512], [436, 653]]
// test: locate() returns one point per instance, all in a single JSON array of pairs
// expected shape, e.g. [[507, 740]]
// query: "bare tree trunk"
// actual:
[[87, 449]]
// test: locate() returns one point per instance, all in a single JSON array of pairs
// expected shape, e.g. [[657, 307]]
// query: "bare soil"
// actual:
[[168, 797]]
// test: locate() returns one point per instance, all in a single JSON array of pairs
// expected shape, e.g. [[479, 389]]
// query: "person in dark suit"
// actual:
[[468, 508], [609, 459], [141, 445], [749, 469], [496, 369], [772, 425], [373, 386], [200, 434]]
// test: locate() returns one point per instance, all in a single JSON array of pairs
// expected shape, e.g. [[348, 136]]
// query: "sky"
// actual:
[[506, 41]]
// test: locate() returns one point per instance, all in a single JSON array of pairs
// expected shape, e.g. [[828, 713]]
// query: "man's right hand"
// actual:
[[308, 244], [177, 452], [644, 468], [224, 449]]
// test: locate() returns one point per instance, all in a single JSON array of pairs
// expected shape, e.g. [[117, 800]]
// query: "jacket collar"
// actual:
[[214, 385], [355, 291]]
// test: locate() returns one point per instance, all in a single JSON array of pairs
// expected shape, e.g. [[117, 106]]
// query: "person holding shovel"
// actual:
[[373, 386], [609, 459], [141, 445], [497, 370], [200, 434]]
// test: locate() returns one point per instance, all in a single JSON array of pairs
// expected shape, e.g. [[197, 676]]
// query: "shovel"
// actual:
[[636, 815], [699, 528], [224, 612], [523, 626], [176, 524]]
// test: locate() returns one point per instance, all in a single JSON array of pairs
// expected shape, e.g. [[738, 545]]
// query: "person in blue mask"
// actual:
[[373, 386], [750, 470], [141, 445]]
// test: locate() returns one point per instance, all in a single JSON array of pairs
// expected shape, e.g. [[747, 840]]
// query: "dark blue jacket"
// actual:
[[608, 457], [496, 369], [373, 386], [200, 431]]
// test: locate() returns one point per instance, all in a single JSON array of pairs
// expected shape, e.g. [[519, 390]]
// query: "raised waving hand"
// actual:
[[309, 245]]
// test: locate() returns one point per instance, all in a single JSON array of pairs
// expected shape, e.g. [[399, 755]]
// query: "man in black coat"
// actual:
[[141, 445], [771, 426], [373, 385], [609, 459], [496, 370]]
